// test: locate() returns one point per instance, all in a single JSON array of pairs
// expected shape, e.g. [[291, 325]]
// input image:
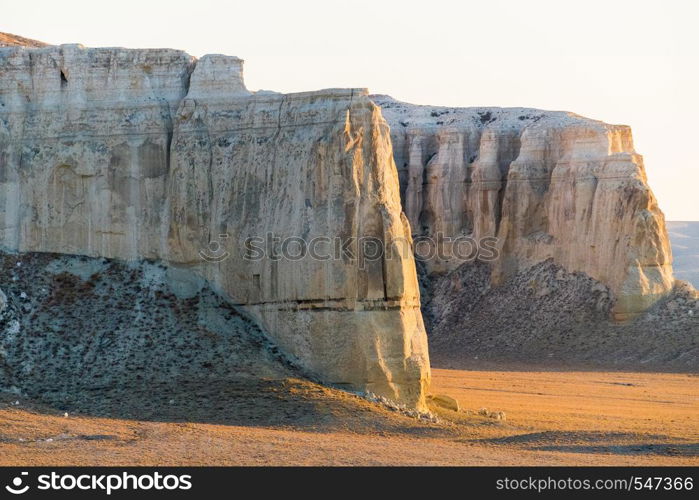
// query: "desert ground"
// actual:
[[551, 418]]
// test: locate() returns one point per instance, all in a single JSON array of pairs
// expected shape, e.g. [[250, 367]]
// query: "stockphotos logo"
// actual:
[[16, 487], [105, 483]]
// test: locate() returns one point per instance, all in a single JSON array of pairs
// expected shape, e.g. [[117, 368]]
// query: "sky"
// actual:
[[629, 62]]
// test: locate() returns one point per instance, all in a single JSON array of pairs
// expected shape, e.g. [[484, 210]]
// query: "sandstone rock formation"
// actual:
[[547, 185], [151, 154]]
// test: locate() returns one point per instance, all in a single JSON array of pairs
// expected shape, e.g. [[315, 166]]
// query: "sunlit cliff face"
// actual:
[[545, 185], [151, 154]]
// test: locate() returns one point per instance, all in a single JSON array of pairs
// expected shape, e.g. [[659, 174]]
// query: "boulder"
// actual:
[[445, 401]]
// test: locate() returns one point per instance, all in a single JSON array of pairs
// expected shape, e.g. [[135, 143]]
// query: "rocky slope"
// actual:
[[10, 40], [76, 328], [151, 154], [545, 316], [547, 185]]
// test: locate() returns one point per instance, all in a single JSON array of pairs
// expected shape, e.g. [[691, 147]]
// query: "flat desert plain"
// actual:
[[551, 417]]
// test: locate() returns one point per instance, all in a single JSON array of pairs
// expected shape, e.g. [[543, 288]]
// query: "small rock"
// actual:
[[65, 414], [445, 402]]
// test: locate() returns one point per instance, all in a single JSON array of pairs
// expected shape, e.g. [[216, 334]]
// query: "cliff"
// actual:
[[279, 202], [547, 185], [151, 154]]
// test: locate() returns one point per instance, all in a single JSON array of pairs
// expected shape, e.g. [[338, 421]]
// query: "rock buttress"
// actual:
[[149, 154]]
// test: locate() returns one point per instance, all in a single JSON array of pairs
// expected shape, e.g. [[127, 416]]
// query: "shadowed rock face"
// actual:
[[135, 154], [547, 185]]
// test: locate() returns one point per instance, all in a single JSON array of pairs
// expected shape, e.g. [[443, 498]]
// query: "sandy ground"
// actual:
[[552, 417]]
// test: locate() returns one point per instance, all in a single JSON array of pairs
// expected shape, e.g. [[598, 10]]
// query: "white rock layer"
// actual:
[[545, 184], [150, 154]]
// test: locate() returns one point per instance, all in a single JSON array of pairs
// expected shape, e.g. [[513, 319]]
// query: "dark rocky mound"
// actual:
[[75, 328], [547, 316]]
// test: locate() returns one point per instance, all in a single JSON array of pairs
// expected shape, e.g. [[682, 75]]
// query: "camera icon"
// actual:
[[215, 252], [16, 487]]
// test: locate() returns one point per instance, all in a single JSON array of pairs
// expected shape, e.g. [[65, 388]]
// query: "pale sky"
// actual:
[[631, 62]]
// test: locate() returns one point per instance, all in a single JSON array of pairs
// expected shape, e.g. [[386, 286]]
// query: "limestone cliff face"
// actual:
[[547, 185], [151, 154]]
